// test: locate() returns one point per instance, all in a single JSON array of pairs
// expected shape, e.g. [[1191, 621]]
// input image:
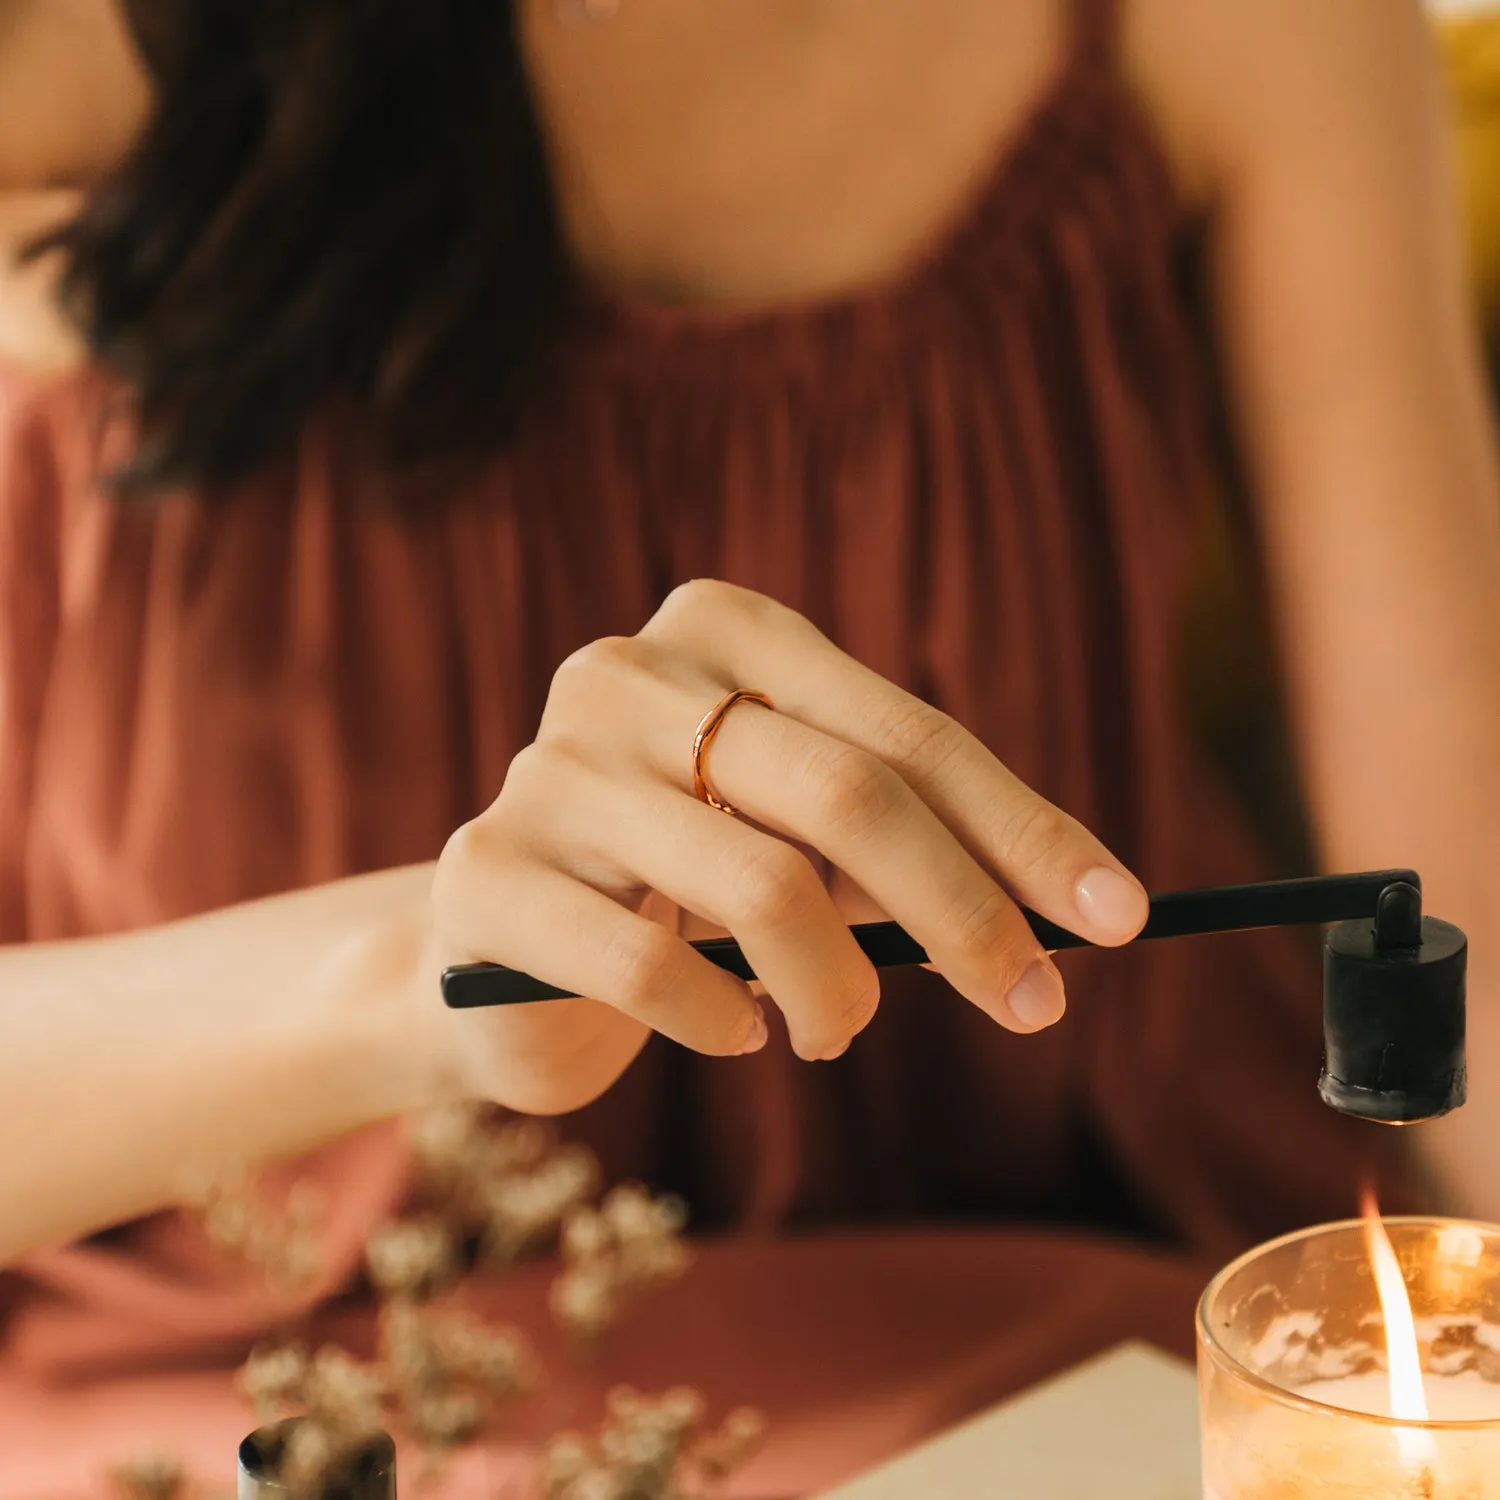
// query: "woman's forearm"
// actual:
[[132, 1065]]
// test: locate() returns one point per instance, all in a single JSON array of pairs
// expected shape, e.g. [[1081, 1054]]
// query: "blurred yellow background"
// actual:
[[1469, 36]]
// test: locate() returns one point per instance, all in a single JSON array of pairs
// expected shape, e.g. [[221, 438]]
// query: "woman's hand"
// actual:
[[598, 824]]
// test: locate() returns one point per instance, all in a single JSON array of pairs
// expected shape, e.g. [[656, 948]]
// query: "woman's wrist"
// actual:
[[385, 1009]]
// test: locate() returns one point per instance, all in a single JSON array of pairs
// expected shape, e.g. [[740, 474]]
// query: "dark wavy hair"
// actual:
[[333, 203]]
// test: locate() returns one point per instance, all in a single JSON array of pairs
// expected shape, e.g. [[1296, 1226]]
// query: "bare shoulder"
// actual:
[[34, 334], [72, 91], [1233, 82], [72, 96]]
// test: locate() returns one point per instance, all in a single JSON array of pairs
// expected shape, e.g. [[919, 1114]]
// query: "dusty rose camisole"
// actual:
[[981, 482]]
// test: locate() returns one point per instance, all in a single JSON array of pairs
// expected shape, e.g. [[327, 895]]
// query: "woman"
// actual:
[[424, 421]]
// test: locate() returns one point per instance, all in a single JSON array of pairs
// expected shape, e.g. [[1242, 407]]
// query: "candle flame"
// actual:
[[1403, 1355]]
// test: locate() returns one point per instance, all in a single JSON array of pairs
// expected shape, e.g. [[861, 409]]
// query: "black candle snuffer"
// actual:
[[1393, 979]]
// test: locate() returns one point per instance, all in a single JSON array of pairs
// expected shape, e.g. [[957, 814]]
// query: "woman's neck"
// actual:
[[759, 151]]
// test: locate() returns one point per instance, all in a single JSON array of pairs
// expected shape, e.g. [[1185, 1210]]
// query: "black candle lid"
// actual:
[[368, 1474]]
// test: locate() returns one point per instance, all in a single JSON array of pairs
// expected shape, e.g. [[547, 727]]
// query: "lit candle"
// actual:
[[1320, 1377]]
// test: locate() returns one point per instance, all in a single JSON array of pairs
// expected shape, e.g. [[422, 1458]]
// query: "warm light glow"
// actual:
[[1458, 1250], [1460, 1245], [1403, 1356]]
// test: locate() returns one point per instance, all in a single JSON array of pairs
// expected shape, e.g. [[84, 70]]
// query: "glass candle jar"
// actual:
[[1295, 1361]]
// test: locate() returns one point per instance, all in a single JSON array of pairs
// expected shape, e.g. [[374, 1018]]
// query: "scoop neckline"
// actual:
[[992, 206]]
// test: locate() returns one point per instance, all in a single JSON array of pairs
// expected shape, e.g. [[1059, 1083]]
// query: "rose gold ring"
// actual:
[[708, 727]]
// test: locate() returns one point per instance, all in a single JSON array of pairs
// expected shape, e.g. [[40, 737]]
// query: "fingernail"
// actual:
[[758, 1037], [1037, 998], [1112, 902]]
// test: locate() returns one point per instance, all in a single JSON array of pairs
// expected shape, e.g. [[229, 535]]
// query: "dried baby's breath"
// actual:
[[648, 1448], [522, 1210], [718, 1454], [339, 1403], [149, 1476], [272, 1380], [411, 1258], [238, 1223], [491, 1190], [344, 1393], [508, 1184], [448, 1370], [615, 1255], [446, 1419]]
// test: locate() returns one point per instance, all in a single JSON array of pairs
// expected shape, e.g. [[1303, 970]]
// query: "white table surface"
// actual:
[[1122, 1427]]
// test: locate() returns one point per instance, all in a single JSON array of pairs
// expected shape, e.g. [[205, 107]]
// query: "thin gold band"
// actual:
[[708, 727]]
